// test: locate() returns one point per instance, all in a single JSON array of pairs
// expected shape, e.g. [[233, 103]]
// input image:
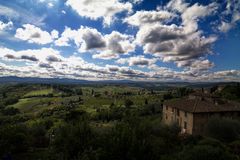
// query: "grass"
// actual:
[[36, 93], [32, 105]]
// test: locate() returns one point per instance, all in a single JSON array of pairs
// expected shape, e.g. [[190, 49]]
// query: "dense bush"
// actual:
[[14, 139], [72, 141], [10, 111], [208, 149], [224, 129]]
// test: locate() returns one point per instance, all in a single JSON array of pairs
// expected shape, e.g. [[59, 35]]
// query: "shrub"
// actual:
[[224, 129]]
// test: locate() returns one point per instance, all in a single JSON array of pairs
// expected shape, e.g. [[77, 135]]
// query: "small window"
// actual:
[[172, 109], [185, 125], [185, 113], [166, 116], [166, 107]]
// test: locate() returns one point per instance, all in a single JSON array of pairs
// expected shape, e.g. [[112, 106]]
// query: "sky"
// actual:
[[140, 40]]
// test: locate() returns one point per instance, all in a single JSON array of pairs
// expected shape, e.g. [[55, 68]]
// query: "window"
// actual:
[[178, 112], [166, 116], [172, 109], [185, 113], [166, 107], [185, 125]]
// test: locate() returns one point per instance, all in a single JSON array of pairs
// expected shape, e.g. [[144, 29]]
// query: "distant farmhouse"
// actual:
[[193, 112]]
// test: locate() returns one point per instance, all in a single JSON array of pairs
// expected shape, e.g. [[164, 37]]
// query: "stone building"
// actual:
[[193, 112]]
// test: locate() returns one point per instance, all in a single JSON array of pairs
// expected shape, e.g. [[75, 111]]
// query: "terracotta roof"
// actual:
[[199, 105]]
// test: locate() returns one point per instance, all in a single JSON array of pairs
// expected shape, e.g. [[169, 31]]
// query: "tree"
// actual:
[[207, 149], [128, 103], [92, 92], [10, 111], [224, 129], [146, 101], [79, 91], [72, 141], [167, 96], [4, 95]]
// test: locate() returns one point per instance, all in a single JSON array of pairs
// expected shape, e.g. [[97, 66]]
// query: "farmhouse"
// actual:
[[193, 112]]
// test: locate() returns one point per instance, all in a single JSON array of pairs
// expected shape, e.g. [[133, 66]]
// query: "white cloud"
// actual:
[[136, 2], [95, 9], [106, 55], [6, 26], [85, 38], [172, 43], [89, 39], [50, 5], [149, 17], [119, 43], [137, 61], [224, 26], [230, 16], [33, 34], [180, 41], [43, 55], [63, 12], [193, 13]]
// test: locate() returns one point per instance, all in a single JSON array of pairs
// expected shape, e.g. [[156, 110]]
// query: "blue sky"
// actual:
[[142, 40]]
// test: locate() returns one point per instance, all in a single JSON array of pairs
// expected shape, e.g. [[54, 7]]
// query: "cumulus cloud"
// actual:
[[106, 55], [45, 65], [30, 58], [172, 43], [43, 55], [95, 9], [230, 16], [137, 61], [181, 42], [89, 39], [149, 17], [85, 38], [5, 26], [119, 43], [33, 34], [53, 58], [193, 13]]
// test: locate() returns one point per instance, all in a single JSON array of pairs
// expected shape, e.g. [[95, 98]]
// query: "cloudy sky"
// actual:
[[143, 40]]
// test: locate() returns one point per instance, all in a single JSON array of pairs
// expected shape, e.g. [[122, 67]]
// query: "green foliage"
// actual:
[[13, 139], [101, 123], [183, 91], [10, 100], [208, 149], [128, 103], [223, 129], [167, 96], [231, 92], [72, 141], [10, 111]]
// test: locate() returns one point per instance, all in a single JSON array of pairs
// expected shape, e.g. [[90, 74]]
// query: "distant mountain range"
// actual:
[[13, 79]]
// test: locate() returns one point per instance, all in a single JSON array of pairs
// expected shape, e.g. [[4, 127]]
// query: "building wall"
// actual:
[[183, 119], [199, 123], [195, 122]]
